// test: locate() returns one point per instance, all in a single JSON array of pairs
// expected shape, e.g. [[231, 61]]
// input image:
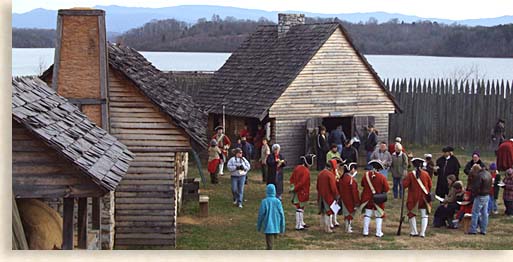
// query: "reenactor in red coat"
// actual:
[[505, 155], [348, 190], [418, 182], [373, 191], [327, 193], [224, 143], [300, 188]]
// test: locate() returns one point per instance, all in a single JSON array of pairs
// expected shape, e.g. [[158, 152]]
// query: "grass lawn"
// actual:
[[229, 227]]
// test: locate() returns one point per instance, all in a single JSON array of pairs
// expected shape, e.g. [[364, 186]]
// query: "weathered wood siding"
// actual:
[[334, 80], [39, 172], [145, 200]]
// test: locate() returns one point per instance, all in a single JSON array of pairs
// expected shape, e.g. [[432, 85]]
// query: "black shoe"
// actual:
[[484, 234], [471, 233], [306, 226], [412, 235]]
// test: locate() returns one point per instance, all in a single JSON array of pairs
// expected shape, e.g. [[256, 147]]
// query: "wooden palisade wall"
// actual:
[[146, 197], [443, 111], [334, 80]]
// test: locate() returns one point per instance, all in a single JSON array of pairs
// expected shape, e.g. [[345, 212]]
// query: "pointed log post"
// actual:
[[82, 223], [67, 225]]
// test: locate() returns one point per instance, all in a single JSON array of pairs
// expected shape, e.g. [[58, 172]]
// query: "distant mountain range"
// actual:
[[120, 19]]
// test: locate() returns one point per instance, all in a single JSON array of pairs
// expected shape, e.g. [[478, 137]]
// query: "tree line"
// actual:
[[225, 35]]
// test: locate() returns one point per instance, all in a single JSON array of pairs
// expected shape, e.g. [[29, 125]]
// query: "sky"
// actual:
[[444, 9]]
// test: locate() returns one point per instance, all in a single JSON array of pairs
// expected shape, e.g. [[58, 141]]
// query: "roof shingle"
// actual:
[[64, 128], [264, 66]]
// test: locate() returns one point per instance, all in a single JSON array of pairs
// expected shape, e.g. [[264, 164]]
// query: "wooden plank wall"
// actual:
[[39, 172], [458, 113], [145, 210], [334, 80]]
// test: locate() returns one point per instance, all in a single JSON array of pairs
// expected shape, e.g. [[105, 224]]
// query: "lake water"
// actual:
[[33, 61]]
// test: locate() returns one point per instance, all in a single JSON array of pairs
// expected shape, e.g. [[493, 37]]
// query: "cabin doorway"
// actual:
[[331, 123]]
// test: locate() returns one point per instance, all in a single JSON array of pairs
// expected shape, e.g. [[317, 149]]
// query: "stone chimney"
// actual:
[[286, 21], [80, 74], [80, 63]]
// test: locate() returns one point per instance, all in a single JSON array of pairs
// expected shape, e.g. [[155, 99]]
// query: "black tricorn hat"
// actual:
[[447, 149], [417, 162], [348, 167], [376, 164], [218, 127], [308, 159]]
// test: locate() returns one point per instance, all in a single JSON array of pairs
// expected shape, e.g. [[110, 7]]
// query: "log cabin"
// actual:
[[297, 76], [58, 152], [136, 102]]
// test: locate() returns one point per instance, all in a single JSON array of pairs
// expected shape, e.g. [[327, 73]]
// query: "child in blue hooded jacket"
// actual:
[[271, 218]]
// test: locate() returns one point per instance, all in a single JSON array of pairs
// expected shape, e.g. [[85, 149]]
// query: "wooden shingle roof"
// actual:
[[261, 69], [155, 84], [63, 127]]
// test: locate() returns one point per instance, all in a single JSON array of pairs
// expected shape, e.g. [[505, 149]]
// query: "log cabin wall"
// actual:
[[39, 172], [146, 199], [334, 80]]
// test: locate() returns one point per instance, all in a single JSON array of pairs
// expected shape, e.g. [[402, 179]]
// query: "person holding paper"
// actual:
[[327, 193], [444, 214], [300, 188], [348, 191], [419, 186], [374, 183]]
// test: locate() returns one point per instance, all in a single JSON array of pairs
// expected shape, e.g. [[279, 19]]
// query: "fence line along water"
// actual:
[[450, 112]]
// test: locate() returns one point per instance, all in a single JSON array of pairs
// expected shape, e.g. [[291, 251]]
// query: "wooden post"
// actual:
[[67, 225], [82, 223]]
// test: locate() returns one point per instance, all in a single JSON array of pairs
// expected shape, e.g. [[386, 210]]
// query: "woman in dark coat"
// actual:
[[275, 163], [476, 160], [447, 165], [322, 147]]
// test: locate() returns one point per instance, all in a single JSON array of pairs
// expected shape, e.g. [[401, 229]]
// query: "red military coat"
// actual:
[[505, 156], [415, 194], [327, 186], [225, 141], [348, 191], [380, 185], [300, 178]]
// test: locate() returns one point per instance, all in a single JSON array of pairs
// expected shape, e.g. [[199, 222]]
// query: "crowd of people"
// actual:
[[339, 193]]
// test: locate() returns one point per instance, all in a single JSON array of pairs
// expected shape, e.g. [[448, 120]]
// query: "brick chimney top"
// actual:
[[81, 11], [285, 21]]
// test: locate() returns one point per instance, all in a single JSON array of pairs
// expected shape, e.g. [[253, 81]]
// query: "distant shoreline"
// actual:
[[227, 52]]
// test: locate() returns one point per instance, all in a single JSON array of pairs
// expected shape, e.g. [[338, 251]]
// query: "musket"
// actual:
[[402, 214]]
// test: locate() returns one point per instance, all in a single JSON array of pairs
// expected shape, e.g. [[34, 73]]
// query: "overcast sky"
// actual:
[[446, 9]]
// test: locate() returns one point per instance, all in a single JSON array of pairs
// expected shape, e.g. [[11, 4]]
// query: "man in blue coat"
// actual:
[[271, 218]]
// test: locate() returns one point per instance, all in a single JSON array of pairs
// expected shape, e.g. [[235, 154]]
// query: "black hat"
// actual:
[[417, 162], [447, 149], [348, 167], [308, 159], [218, 127], [376, 164]]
